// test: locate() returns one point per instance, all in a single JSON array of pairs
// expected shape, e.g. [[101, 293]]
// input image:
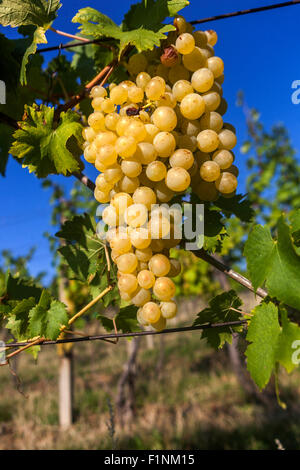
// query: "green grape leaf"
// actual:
[[28, 12], [294, 218], [43, 146], [289, 341], [126, 320], [18, 319], [214, 230], [19, 289], [263, 334], [238, 205], [38, 37], [47, 318], [220, 311], [80, 229], [275, 263]]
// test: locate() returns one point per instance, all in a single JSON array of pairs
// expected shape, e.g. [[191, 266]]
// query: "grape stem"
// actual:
[[72, 36]]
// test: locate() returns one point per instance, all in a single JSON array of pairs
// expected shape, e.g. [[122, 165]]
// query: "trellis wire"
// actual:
[[203, 20]]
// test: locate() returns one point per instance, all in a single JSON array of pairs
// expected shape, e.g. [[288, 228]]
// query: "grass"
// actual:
[[187, 397]]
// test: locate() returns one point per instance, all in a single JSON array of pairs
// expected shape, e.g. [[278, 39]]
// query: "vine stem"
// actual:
[[72, 36], [27, 346]]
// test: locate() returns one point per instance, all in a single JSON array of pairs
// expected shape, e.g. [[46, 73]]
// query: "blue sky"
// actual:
[[261, 57]]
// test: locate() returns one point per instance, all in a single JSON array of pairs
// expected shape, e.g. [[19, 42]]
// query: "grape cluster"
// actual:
[[151, 137]]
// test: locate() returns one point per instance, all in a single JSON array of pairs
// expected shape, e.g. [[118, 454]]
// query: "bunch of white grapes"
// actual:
[[152, 137]]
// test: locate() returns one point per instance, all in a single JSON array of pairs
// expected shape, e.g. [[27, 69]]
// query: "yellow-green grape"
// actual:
[[217, 87], [220, 80], [145, 153], [114, 255], [140, 318], [178, 72], [121, 201], [110, 216], [192, 106], [211, 120], [188, 142], [113, 174], [143, 255], [151, 132], [164, 118], [229, 126], [142, 79], [181, 88], [210, 171], [136, 215], [159, 227], [136, 129], [125, 146], [223, 106], [111, 86], [105, 138], [216, 65], [102, 184], [195, 60], [185, 43], [160, 325], [140, 297], [144, 195], [144, 116], [223, 158], [111, 121], [178, 179], [137, 63], [164, 288], [208, 141], [128, 283], [146, 279], [227, 139], [127, 263], [98, 92], [155, 88], [121, 243], [234, 170], [175, 267], [208, 51], [128, 185], [182, 158], [212, 101], [227, 183], [212, 37], [122, 125], [162, 71], [159, 265], [118, 95], [200, 38], [202, 80], [96, 103], [142, 265], [127, 84], [107, 106], [140, 238], [168, 309], [131, 168], [206, 191], [157, 245], [96, 121], [89, 134], [106, 155], [180, 24], [164, 144], [101, 196], [89, 153], [151, 312], [190, 128], [163, 193], [156, 171], [194, 169], [166, 100], [135, 94]]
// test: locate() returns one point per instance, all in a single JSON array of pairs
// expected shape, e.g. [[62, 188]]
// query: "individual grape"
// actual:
[[164, 144], [102, 184], [178, 179], [89, 134], [190, 128], [160, 325], [185, 43], [217, 88], [140, 238], [164, 288], [192, 106], [208, 141], [142, 265], [212, 37], [131, 168], [159, 265], [159, 227], [142, 80], [107, 106], [96, 103], [169, 58], [180, 24], [105, 138], [168, 309], [98, 92], [151, 132], [127, 84], [227, 139], [166, 100], [188, 142], [223, 158], [175, 267], [127, 283], [135, 94], [181, 88], [157, 245], [151, 312], [229, 126], [164, 118], [101, 196], [141, 297], [200, 38], [136, 215], [174, 238], [144, 195], [127, 263], [111, 121], [156, 171], [223, 106], [162, 71], [144, 180], [89, 153], [194, 169], [96, 121], [211, 120], [145, 153], [155, 88], [137, 63], [110, 216], [140, 318], [178, 72], [118, 95], [122, 125], [128, 108], [227, 183], [202, 80], [163, 193], [106, 156], [136, 129], [195, 60], [210, 171], [212, 101], [121, 201], [182, 158], [146, 279], [234, 170], [143, 255], [126, 146], [216, 65], [208, 51]]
